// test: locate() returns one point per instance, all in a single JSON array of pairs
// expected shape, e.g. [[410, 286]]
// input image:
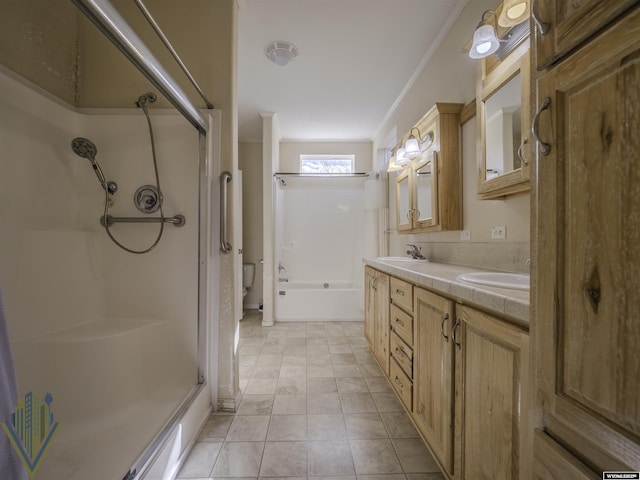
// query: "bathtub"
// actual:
[[108, 407], [318, 302]]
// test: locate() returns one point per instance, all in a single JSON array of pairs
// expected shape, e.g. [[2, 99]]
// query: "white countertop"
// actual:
[[442, 278]]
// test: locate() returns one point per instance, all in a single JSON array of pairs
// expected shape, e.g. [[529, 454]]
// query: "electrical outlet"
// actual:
[[465, 235], [499, 232]]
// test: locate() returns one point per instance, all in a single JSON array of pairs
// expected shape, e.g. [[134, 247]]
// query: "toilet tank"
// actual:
[[248, 273]]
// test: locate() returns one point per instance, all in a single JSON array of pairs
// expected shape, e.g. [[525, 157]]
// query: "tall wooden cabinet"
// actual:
[[586, 291]]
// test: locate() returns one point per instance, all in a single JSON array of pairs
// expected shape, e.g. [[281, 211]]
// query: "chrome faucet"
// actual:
[[281, 267], [414, 252]]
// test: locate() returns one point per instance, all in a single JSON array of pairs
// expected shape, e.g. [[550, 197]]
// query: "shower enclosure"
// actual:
[[319, 233], [112, 346]]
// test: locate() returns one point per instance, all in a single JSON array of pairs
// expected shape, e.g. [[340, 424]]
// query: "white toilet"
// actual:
[[248, 273]]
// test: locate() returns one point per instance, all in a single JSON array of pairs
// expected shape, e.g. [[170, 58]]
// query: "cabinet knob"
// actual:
[[399, 292], [522, 159], [398, 382]]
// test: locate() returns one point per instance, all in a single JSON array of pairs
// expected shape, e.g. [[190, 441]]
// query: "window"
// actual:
[[327, 163]]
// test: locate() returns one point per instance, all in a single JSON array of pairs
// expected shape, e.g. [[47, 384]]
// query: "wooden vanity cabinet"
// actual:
[[586, 281], [491, 377], [376, 325], [570, 24], [434, 374]]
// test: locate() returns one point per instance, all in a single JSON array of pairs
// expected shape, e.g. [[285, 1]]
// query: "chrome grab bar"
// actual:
[[178, 220], [225, 178]]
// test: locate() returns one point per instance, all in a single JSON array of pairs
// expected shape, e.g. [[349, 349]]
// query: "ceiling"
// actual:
[[356, 57]]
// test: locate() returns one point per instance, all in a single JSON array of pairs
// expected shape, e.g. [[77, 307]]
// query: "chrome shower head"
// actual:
[[87, 149], [147, 97], [84, 148]]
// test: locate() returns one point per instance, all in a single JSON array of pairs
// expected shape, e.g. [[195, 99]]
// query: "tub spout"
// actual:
[[280, 280]]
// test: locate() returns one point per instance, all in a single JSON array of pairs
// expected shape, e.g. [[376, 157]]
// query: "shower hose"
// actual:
[[141, 104]]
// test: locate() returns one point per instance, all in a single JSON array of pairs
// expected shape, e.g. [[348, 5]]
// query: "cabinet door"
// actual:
[[404, 201], [572, 23], [588, 293], [369, 306], [492, 359], [381, 286], [433, 374]]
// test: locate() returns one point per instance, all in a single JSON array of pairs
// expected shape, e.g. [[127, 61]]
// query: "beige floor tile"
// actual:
[[284, 459], [378, 384], [257, 386], [352, 385], [343, 359], [251, 428], [323, 404], [239, 459], [216, 428], [290, 405], [374, 457], [200, 461], [287, 427], [321, 385], [398, 425], [256, 405], [291, 386], [357, 403], [330, 458], [414, 456], [365, 426], [387, 402], [320, 371], [319, 359], [265, 372], [327, 427], [291, 371]]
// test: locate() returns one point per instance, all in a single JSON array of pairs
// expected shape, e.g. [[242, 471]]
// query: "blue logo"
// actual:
[[31, 429]]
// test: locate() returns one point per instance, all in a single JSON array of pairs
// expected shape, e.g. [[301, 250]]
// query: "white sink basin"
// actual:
[[515, 281], [401, 259]]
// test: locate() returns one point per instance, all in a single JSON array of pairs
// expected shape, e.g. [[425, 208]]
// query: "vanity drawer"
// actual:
[[401, 384], [402, 294], [401, 323], [402, 353]]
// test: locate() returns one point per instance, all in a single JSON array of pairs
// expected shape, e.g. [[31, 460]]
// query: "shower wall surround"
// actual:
[[87, 321]]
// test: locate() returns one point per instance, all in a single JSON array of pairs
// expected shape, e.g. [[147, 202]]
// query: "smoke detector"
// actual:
[[281, 53]]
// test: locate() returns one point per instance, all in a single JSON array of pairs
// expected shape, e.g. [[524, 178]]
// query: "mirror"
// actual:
[[503, 110], [503, 129], [426, 194], [403, 201]]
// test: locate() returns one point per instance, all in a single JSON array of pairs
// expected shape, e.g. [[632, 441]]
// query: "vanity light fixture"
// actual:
[[399, 161], [485, 41], [514, 12], [412, 145]]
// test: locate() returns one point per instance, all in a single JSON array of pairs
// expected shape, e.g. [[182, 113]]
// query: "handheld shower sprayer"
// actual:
[[86, 149]]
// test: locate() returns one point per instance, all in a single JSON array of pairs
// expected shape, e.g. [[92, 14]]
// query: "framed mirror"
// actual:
[[503, 120], [404, 201], [426, 191]]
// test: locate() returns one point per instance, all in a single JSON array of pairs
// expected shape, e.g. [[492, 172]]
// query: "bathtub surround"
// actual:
[[319, 231]]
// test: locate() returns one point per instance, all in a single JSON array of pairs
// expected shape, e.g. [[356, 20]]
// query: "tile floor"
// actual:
[[315, 404]]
